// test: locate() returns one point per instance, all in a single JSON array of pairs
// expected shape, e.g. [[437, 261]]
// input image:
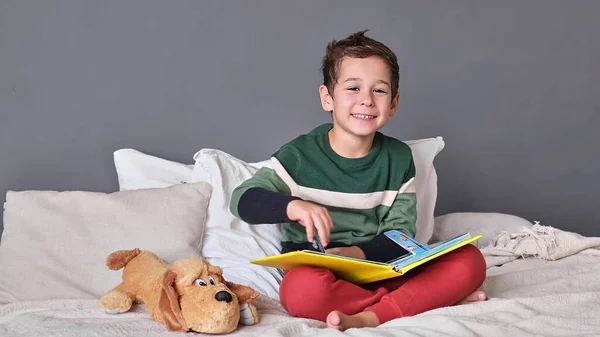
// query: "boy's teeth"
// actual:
[[363, 116]]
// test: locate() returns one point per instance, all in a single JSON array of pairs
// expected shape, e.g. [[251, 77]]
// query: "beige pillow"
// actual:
[[486, 224], [55, 244]]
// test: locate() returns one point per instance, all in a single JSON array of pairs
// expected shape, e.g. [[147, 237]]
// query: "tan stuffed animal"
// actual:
[[190, 294]]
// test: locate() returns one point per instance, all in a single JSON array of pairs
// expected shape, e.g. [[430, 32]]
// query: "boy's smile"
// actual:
[[361, 102], [362, 116]]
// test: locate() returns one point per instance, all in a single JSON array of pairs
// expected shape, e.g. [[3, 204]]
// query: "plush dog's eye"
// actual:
[[211, 280], [200, 282]]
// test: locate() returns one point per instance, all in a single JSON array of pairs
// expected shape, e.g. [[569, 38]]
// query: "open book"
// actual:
[[364, 271]]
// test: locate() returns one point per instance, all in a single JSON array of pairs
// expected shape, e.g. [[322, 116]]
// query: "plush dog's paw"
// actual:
[[248, 314], [115, 311], [115, 302]]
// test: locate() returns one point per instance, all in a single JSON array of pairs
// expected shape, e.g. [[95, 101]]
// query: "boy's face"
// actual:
[[361, 102]]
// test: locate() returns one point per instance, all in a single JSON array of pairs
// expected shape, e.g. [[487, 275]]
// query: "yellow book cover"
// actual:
[[364, 271]]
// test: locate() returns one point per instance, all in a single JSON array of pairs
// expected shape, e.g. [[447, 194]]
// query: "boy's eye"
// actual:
[[380, 91], [352, 88]]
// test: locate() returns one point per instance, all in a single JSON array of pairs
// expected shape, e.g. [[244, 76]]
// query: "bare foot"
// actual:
[[476, 296], [340, 321]]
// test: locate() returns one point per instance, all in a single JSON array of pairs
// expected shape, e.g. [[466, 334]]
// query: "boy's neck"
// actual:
[[349, 146]]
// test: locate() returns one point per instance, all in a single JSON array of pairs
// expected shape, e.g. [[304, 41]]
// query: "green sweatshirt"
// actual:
[[364, 196]]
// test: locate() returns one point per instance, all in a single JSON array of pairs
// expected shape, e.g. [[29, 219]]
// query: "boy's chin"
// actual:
[[364, 131]]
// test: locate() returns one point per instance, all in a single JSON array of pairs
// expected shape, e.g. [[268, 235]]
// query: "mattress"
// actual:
[[539, 283]]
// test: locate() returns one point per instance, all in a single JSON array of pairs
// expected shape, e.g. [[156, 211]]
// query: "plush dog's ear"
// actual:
[[215, 270], [242, 292], [169, 303]]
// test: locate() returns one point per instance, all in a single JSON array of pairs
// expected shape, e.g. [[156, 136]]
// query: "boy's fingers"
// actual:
[[330, 221], [326, 229], [323, 232], [310, 234]]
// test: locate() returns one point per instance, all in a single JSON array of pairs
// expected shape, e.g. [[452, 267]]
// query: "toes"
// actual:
[[479, 296], [334, 319], [475, 296]]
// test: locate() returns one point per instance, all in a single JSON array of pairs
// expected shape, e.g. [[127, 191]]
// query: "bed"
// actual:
[[541, 281]]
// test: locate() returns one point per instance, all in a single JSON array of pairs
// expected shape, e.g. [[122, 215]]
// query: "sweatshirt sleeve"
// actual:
[[262, 198]]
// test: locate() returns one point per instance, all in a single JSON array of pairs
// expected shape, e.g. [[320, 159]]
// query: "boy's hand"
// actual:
[[352, 251], [312, 217]]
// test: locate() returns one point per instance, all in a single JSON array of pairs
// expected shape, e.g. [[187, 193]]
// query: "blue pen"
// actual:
[[317, 243]]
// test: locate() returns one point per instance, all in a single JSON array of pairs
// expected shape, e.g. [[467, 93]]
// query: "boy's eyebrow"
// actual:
[[349, 79]]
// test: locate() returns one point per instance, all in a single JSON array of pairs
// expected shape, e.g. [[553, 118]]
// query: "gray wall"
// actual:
[[512, 86]]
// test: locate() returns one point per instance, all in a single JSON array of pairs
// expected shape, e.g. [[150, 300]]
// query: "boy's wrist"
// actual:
[[351, 251], [359, 252], [289, 205]]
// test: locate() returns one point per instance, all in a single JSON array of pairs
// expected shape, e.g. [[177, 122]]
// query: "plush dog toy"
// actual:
[[190, 294]]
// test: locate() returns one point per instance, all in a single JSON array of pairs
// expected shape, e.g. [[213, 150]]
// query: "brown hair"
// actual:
[[357, 45]]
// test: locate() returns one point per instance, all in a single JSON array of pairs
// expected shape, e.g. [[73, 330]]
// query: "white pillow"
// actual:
[[137, 170], [424, 152], [55, 244], [230, 242], [488, 225]]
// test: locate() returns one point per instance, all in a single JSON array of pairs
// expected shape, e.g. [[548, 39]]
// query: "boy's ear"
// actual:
[[394, 105], [326, 98]]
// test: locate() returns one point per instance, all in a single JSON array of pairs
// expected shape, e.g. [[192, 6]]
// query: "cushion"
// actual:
[[230, 242], [424, 152], [488, 225], [137, 170], [55, 244]]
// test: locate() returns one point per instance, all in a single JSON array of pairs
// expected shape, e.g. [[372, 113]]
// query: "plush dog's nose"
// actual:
[[223, 296]]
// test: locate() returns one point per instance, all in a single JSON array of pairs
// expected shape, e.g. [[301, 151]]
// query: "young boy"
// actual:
[[349, 183]]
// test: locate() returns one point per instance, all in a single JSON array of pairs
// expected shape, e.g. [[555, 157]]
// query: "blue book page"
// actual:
[[434, 249], [406, 242]]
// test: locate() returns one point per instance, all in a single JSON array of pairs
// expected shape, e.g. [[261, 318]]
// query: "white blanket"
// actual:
[[541, 282]]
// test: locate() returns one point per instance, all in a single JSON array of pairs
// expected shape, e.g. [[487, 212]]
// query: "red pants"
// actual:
[[315, 292]]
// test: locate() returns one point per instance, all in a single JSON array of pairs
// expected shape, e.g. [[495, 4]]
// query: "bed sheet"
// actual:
[[541, 292]]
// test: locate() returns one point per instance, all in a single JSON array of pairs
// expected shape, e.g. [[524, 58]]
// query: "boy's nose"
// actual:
[[367, 99]]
